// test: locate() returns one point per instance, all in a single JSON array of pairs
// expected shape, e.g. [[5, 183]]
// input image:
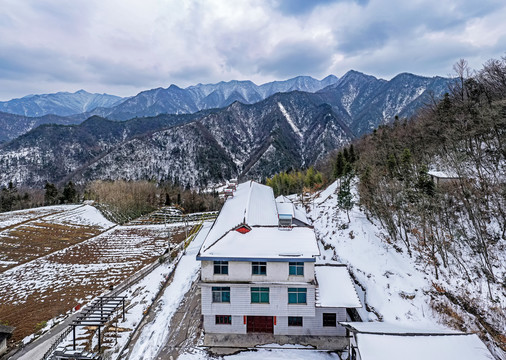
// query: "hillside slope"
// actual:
[[398, 288], [288, 130]]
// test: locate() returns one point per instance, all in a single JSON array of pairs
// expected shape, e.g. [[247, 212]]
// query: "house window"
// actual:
[[259, 268], [296, 268], [223, 319], [297, 295], [221, 267], [329, 319], [259, 295], [221, 294], [295, 321]]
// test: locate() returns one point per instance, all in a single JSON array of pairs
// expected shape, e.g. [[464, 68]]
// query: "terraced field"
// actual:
[[65, 258], [33, 233]]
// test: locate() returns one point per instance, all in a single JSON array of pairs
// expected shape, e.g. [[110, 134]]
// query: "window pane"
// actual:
[[255, 297], [226, 296], [265, 297], [221, 267], [295, 321], [329, 319], [302, 298], [296, 268], [297, 295], [292, 298], [259, 268], [223, 319]]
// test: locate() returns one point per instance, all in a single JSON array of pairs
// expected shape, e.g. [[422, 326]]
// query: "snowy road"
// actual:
[[154, 334]]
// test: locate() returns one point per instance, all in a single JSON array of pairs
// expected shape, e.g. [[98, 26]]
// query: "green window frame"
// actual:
[[297, 295], [221, 267], [259, 268], [259, 295], [223, 320], [296, 268], [221, 294]]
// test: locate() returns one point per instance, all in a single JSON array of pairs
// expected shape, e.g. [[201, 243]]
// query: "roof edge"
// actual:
[[266, 259]]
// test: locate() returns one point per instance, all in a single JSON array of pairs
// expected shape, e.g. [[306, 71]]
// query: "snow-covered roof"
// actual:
[[300, 215], [443, 174], [254, 204], [285, 208], [283, 199], [396, 329], [335, 287], [395, 347], [263, 243]]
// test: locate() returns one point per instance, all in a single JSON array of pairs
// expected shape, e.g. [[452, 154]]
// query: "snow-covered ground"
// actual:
[[16, 217], [395, 288], [266, 354], [154, 334], [82, 215]]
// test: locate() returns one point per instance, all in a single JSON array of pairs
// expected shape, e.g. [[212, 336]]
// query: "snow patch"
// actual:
[[289, 119]]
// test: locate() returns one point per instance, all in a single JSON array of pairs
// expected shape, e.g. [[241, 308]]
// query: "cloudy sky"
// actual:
[[124, 46]]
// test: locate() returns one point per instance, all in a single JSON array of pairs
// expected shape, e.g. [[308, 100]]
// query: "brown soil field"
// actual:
[[45, 288]]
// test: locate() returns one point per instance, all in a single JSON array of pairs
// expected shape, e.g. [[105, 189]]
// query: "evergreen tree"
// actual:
[[353, 157], [51, 194], [69, 193], [339, 165], [344, 196]]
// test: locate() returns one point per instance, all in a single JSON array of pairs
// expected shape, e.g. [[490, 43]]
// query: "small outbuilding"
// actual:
[[442, 177], [386, 341], [5, 334]]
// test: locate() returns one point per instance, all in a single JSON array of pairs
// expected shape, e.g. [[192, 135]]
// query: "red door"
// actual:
[[260, 324]]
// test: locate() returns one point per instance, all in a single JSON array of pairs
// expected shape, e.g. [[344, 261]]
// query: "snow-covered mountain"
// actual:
[[12, 125], [287, 130], [369, 102], [61, 103], [362, 101], [175, 100]]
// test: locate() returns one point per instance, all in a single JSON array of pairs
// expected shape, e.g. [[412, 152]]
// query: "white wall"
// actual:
[[240, 301], [237, 326], [241, 271], [311, 325]]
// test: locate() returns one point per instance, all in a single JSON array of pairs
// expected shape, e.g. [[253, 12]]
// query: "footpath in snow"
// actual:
[[154, 334]]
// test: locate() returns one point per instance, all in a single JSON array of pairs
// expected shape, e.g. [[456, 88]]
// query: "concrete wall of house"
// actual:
[[311, 325], [242, 271], [240, 301], [237, 327]]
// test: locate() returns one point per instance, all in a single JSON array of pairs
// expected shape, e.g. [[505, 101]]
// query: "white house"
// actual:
[[386, 341], [259, 282]]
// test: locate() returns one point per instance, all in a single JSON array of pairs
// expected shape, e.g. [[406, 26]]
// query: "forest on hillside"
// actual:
[[437, 183]]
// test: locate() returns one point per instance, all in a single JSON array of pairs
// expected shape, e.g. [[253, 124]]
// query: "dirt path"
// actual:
[[185, 326]]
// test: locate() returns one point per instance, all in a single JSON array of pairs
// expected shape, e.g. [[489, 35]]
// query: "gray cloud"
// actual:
[[298, 7], [125, 46], [292, 59]]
